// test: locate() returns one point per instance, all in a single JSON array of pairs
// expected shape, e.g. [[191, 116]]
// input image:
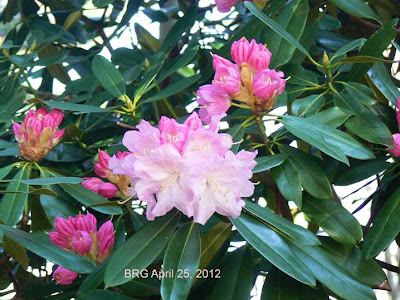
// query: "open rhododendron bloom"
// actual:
[[248, 81], [79, 235], [38, 133], [188, 167]]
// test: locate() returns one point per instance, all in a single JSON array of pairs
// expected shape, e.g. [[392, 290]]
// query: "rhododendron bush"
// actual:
[[199, 149]]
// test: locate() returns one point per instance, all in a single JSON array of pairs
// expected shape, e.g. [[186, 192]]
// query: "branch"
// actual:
[[388, 267], [100, 31], [369, 24]]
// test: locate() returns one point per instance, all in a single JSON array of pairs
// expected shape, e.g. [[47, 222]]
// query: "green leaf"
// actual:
[[292, 18], [385, 227], [82, 108], [348, 47], [333, 117], [334, 219], [173, 88], [141, 249], [12, 205], [307, 106], [352, 259], [329, 140], [93, 280], [312, 177], [16, 251], [270, 245], [268, 162], [360, 92], [364, 123], [356, 8], [292, 231], [212, 241], [104, 295], [142, 287], [361, 170], [89, 198], [42, 246], [182, 256], [236, 278], [275, 26], [102, 3], [237, 133], [374, 47], [331, 274], [5, 171], [383, 81], [288, 181], [47, 181], [280, 286], [109, 77], [360, 59], [299, 75]]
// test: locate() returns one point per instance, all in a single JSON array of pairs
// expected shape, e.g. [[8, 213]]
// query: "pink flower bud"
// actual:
[[396, 150], [59, 239], [108, 190], [226, 75], [48, 121], [268, 83], [35, 126], [64, 276], [225, 5], [17, 131], [106, 239], [86, 223], [256, 55], [65, 227], [41, 112], [102, 165], [82, 242], [58, 136], [213, 102], [57, 116], [92, 183]]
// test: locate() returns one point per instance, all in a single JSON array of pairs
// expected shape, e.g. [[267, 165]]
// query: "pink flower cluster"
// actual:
[[188, 167], [226, 5], [396, 150], [38, 133], [118, 183], [80, 235], [248, 80]]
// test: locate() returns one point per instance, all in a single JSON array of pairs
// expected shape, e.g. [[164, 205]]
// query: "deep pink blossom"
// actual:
[[106, 239], [268, 83], [226, 75], [93, 184], [108, 190], [225, 5], [396, 150], [81, 241], [64, 276], [38, 133], [86, 223]]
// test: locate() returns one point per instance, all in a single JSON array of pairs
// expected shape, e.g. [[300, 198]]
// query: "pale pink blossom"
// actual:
[[213, 102], [143, 141], [171, 132], [268, 83], [64, 276], [38, 133], [396, 150]]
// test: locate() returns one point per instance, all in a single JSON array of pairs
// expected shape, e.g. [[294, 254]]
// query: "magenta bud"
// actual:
[[86, 223], [17, 131], [65, 227], [108, 190], [64, 276], [106, 238], [93, 184], [82, 242], [396, 150], [58, 239], [57, 116]]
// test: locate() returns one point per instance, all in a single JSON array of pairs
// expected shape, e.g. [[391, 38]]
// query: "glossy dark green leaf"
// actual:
[[12, 205], [356, 8], [312, 177], [385, 227], [383, 81], [182, 257], [292, 231], [173, 89], [334, 219], [364, 123], [331, 274], [333, 117], [333, 142], [292, 18], [307, 106], [94, 279], [212, 241], [89, 198], [141, 249], [299, 75], [374, 46], [47, 181], [236, 276], [360, 93], [275, 26], [272, 246], [104, 295], [5, 171], [237, 133], [348, 47], [142, 287], [42, 246], [82, 108], [102, 3], [268, 162], [109, 77], [288, 181]]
